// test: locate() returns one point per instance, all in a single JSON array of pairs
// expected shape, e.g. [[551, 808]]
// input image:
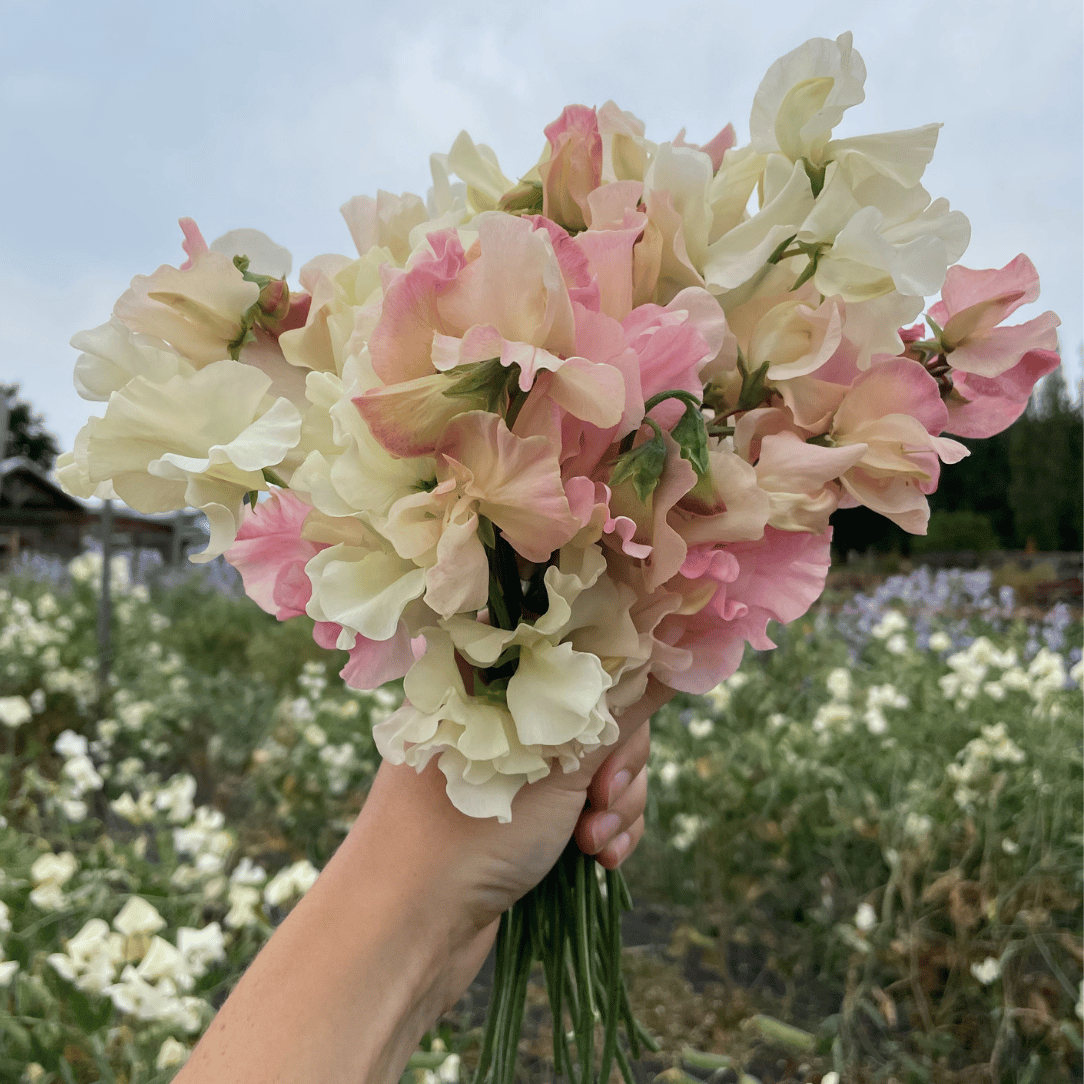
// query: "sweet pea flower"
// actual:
[[981, 406], [482, 469], [200, 311], [50, 872], [201, 440], [974, 303], [895, 409], [573, 169]]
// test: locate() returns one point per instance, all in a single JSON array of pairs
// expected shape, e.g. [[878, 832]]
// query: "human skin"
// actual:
[[403, 916]]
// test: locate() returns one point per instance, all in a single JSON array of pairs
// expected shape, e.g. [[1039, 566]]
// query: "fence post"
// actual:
[[105, 607]]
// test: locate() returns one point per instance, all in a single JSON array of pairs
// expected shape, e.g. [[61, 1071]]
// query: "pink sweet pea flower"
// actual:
[[574, 168], [895, 410], [974, 303], [980, 406], [482, 469], [270, 554]]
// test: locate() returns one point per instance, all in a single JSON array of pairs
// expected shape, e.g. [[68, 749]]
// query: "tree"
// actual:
[[26, 432]]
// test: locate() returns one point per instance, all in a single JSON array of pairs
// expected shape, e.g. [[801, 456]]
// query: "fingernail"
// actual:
[[605, 827], [619, 849], [618, 785]]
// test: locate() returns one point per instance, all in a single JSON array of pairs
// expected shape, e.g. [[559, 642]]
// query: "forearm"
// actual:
[[350, 982]]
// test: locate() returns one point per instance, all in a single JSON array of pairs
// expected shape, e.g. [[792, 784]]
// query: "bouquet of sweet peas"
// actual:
[[542, 440]]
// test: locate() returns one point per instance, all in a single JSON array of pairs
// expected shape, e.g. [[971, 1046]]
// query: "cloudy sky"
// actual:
[[119, 116]]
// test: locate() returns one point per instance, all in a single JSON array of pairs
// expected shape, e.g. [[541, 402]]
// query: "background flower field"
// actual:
[[863, 853]]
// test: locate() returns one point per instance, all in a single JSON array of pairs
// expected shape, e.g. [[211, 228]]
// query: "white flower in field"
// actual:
[[243, 900], [33, 1073], [668, 773], [988, 971], [49, 873], [201, 948], [175, 798], [136, 917], [14, 711], [5, 918], [314, 735], [689, 826], [135, 714], [886, 696], [1000, 746], [129, 770], [939, 641], [74, 809], [897, 644], [91, 957], [1047, 673], [701, 728], [737, 680], [133, 994], [1076, 673], [865, 918], [1009, 846], [248, 873], [107, 730], [132, 811], [995, 690], [838, 682], [831, 1077], [37, 701], [892, 621], [917, 827], [293, 881], [82, 775], [171, 1053], [8, 969], [876, 723], [833, 718], [165, 961]]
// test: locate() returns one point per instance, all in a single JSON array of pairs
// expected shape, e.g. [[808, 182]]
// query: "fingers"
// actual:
[[615, 773], [612, 831]]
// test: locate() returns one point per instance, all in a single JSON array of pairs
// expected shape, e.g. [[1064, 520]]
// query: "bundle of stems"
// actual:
[[571, 922]]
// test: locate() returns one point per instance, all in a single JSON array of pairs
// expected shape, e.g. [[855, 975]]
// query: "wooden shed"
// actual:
[[37, 516]]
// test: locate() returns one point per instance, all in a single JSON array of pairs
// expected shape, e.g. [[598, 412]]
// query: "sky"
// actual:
[[119, 117]]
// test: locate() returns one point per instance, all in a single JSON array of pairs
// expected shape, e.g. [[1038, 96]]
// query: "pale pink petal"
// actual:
[[1001, 349], [895, 386], [402, 341], [372, 663], [270, 554], [992, 405], [193, 243]]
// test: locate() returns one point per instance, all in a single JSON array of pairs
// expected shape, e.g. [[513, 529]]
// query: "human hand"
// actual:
[[480, 867]]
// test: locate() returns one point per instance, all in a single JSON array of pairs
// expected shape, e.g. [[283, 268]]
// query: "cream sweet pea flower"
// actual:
[[199, 310], [112, 354], [201, 439], [50, 872]]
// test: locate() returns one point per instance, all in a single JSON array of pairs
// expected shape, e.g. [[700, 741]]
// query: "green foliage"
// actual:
[[953, 532], [886, 808], [27, 435]]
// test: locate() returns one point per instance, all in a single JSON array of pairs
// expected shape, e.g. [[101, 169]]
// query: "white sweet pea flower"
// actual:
[[137, 917], [90, 958], [171, 1053], [8, 969], [14, 711], [175, 798], [165, 961], [289, 883], [201, 948], [244, 899], [49, 873], [113, 354], [865, 918], [201, 440], [988, 972]]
